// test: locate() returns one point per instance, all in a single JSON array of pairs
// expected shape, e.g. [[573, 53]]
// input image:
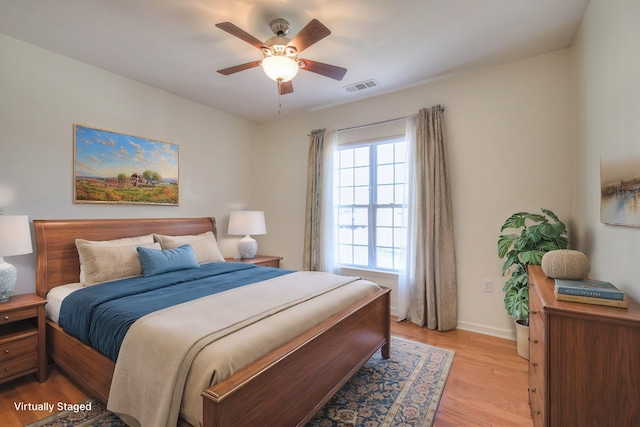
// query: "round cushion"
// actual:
[[565, 264]]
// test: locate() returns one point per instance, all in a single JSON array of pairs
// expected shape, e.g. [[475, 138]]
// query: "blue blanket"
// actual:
[[101, 315]]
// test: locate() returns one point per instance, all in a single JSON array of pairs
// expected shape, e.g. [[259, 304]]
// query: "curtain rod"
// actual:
[[372, 124], [378, 123]]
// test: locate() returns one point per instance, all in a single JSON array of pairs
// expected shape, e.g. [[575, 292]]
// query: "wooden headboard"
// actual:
[[57, 261]]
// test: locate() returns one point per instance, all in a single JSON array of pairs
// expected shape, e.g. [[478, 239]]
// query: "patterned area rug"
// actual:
[[404, 390], [97, 416]]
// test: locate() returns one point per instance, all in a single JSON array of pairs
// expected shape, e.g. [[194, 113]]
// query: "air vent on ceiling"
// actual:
[[362, 86]]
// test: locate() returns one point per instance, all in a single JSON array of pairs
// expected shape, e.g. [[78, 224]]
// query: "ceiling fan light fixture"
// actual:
[[281, 62], [280, 68]]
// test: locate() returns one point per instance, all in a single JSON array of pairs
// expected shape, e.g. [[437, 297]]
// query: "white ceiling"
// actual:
[[174, 44]]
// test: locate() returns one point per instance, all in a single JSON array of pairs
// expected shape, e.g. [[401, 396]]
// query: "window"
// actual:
[[369, 181]]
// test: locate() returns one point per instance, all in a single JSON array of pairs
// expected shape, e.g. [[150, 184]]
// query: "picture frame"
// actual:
[[111, 167], [620, 191]]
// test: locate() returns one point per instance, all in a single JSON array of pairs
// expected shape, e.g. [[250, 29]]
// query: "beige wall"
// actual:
[[510, 149], [43, 94], [607, 71]]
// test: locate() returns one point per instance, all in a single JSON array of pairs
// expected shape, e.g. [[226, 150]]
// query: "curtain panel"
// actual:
[[312, 225], [320, 236], [429, 284]]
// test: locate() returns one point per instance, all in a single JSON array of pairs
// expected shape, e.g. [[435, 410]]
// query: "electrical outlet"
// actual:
[[487, 285]]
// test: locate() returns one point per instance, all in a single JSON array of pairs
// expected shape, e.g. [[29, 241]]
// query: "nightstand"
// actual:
[[22, 338], [263, 260]]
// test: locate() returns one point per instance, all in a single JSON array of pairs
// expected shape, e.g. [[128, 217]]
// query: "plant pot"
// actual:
[[522, 338]]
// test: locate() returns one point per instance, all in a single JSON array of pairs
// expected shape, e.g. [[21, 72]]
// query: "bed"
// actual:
[[307, 369]]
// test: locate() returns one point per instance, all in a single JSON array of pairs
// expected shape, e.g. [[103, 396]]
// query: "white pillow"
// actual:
[[108, 263], [204, 246], [82, 244]]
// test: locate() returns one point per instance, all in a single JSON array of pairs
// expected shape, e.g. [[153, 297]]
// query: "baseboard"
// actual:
[[478, 328], [508, 334], [394, 311]]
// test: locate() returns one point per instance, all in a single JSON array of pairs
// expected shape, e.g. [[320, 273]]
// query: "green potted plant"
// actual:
[[531, 236]]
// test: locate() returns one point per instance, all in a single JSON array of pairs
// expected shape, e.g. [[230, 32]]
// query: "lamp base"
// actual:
[[247, 247], [8, 277]]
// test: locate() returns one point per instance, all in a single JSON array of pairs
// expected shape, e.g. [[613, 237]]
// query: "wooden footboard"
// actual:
[[289, 385]]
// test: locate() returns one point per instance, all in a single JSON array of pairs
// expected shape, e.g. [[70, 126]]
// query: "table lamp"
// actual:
[[246, 223], [15, 239]]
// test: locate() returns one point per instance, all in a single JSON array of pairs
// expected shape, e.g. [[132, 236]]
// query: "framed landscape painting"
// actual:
[[620, 191], [112, 167]]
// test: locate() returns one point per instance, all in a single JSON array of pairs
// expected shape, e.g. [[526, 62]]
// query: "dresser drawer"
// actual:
[[537, 412], [537, 391], [18, 365], [536, 362], [536, 329], [12, 349], [15, 315], [273, 263], [536, 316], [535, 305]]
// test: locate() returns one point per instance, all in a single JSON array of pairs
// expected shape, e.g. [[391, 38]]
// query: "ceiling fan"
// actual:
[[281, 62]]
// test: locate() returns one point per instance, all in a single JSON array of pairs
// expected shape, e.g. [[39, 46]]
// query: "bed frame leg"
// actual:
[[386, 350], [386, 347]]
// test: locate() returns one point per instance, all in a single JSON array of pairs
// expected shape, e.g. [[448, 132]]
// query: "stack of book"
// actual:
[[590, 292]]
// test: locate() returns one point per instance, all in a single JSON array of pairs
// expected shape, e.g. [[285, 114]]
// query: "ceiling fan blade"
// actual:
[[240, 33], [285, 87], [321, 68], [312, 33], [241, 67]]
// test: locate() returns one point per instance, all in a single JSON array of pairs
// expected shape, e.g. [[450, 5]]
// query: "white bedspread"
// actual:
[[181, 345]]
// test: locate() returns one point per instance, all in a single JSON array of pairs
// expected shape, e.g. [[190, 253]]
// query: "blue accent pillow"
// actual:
[[156, 261]]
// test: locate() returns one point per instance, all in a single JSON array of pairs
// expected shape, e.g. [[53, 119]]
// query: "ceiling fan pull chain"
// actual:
[[279, 98]]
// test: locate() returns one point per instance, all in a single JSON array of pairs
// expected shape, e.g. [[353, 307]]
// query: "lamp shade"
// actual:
[[247, 222], [280, 68], [15, 236]]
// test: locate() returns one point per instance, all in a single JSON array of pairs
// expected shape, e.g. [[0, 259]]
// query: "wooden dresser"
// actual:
[[584, 361]]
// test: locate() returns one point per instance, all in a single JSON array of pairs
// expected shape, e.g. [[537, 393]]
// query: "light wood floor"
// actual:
[[488, 382], [487, 385]]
